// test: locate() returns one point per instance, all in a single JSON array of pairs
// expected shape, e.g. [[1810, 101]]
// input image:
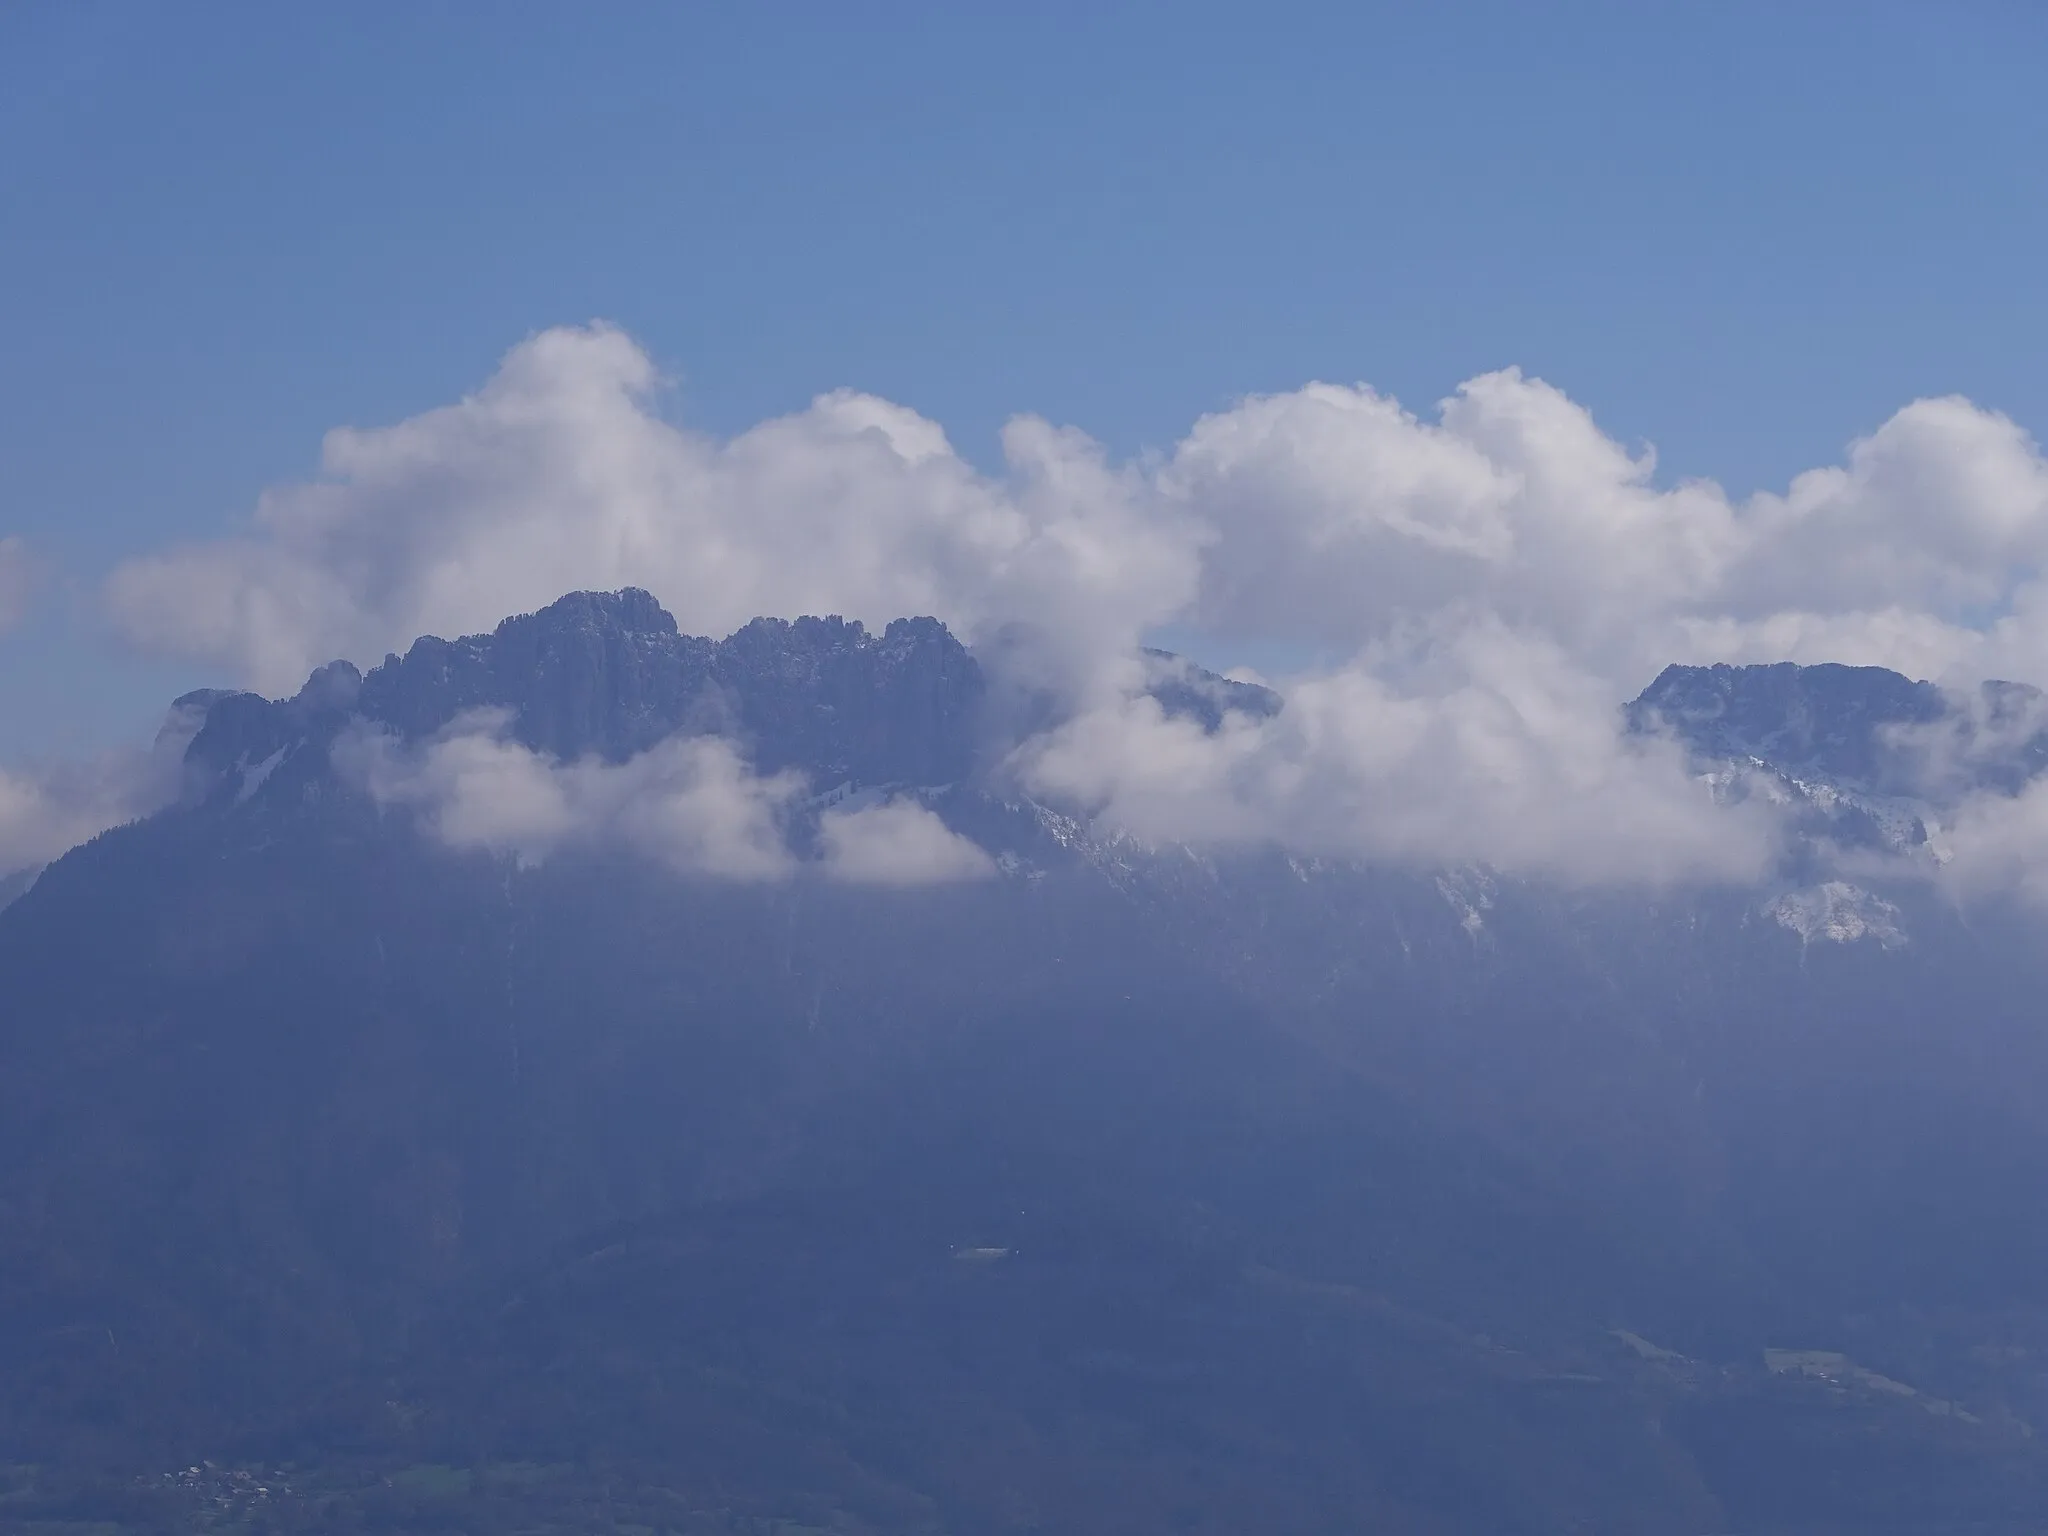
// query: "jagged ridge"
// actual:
[[610, 674]]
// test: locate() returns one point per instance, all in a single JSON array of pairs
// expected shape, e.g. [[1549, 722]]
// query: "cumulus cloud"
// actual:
[[691, 803], [1515, 761], [1497, 577], [20, 574], [1329, 516], [898, 842], [558, 474], [1338, 517]]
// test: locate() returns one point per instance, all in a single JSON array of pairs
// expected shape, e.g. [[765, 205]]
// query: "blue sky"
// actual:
[[1746, 233]]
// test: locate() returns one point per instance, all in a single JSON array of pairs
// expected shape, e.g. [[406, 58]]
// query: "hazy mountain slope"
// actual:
[[1127, 1191]]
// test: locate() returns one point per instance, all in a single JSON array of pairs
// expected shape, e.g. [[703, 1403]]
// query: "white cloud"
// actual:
[[898, 843], [558, 475], [1996, 843], [1510, 757], [1328, 516], [1342, 520], [691, 803], [1499, 576], [1943, 508]]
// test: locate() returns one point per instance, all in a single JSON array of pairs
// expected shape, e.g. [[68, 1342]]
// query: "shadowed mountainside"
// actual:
[[1127, 1191]]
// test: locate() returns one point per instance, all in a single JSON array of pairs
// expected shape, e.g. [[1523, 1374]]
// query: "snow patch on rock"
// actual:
[[1837, 912]]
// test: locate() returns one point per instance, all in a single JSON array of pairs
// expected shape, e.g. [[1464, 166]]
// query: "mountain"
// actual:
[[1869, 754], [1129, 1190], [1841, 724], [608, 675]]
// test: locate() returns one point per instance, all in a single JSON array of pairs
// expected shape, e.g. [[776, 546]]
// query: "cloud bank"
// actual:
[[1496, 576], [558, 475], [1510, 758], [898, 842], [690, 803]]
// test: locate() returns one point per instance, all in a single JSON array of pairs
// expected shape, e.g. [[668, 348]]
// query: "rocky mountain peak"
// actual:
[[610, 674], [1829, 720], [1865, 753]]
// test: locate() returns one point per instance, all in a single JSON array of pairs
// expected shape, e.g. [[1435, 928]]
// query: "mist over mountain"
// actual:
[[731, 1074], [969, 772]]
